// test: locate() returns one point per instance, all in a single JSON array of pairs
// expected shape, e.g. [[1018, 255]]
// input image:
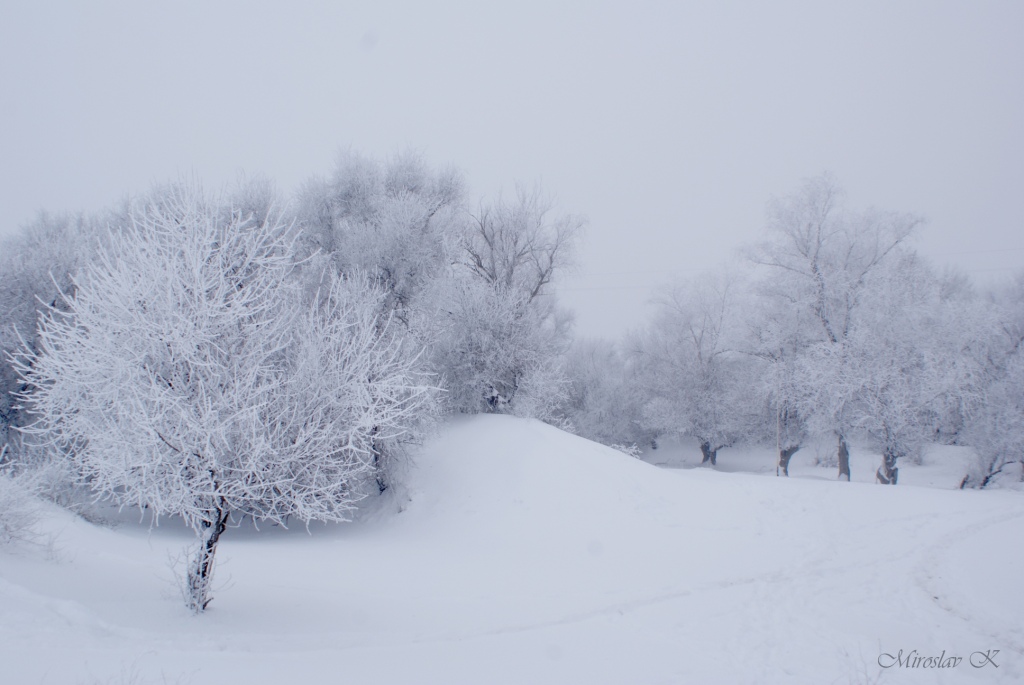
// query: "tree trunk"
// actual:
[[887, 472], [381, 478], [378, 467], [844, 459], [710, 455], [785, 455], [201, 572]]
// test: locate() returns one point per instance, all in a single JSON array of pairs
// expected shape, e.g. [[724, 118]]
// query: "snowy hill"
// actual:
[[517, 553]]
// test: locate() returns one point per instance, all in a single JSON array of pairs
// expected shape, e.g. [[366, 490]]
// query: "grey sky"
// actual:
[[668, 124]]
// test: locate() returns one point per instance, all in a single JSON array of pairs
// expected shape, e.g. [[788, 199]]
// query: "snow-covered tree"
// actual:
[[187, 376], [778, 335], [472, 290], [495, 332], [894, 363], [604, 398], [393, 220], [520, 245], [255, 198], [997, 431], [493, 349], [696, 377], [35, 266], [995, 428], [821, 257]]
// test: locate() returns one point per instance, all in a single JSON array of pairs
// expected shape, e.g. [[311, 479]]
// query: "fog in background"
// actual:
[[669, 125]]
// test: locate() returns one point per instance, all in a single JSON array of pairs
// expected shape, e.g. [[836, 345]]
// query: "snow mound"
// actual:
[[519, 553]]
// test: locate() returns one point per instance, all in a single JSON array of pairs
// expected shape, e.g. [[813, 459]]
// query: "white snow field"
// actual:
[[521, 554]]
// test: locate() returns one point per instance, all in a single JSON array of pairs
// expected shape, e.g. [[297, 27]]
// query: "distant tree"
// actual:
[[255, 198], [186, 376], [604, 397], [495, 333], [35, 267], [821, 258], [394, 221], [696, 377], [494, 351], [995, 428], [519, 245], [472, 290]]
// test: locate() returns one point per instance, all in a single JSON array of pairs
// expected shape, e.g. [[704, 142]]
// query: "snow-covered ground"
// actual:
[[520, 554]]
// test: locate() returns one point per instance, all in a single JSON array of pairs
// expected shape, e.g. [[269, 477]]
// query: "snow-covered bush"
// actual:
[[187, 376], [19, 510]]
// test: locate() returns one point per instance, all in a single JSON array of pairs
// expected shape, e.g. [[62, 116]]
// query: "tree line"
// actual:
[[832, 327]]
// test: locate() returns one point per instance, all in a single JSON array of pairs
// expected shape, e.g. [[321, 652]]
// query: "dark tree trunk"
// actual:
[[983, 480], [844, 459], [378, 467], [785, 454], [887, 472], [710, 455], [201, 573], [381, 478]]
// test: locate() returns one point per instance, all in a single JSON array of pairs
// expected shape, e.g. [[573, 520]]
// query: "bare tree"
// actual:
[[519, 245]]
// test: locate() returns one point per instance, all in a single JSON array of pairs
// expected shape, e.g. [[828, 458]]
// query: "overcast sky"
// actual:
[[669, 125]]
